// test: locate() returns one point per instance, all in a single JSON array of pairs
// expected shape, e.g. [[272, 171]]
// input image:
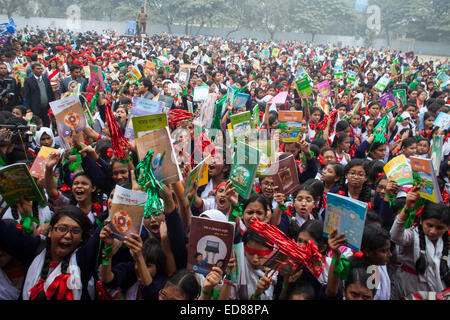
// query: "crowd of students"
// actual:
[[70, 254]]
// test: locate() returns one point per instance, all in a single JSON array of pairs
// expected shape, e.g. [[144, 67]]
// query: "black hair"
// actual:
[[315, 230], [320, 142], [408, 142], [315, 188], [186, 282], [375, 168], [438, 211], [85, 224], [154, 254], [374, 237], [342, 125], [365, 195], [338, 170], [254, 236], [339, 137], [303, 288], [358, 274], [254, 198], [373, 217]]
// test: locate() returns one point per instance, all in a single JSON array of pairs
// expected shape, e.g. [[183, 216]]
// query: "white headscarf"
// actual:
[[37, 137]]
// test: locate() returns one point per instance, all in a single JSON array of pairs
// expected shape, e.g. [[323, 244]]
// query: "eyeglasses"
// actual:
[[357, 175], [63, 229], [308, 200]]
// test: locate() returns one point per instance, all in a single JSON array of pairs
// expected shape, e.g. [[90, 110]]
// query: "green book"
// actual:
[[145, 124], [243, 171], [241, 124], [303, 86], [16, 180], [400, 95]]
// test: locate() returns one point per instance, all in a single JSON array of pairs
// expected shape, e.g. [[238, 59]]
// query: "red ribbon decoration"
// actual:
[[59, 287], [261, 253], [38, 287], [118, 140], [307, 255], [102, 294]]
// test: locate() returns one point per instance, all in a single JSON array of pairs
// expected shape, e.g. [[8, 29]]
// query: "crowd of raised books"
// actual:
[[182, 168]]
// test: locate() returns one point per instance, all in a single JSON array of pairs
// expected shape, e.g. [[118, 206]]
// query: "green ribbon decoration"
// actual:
[[236, 212], [412, 213], [342, 267], [94, 102], [146, 179], [400, 119], [106, 253], [392, 199], [26, 224]]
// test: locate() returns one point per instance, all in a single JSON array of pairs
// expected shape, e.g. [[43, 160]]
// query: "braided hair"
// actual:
[[34, 211], [440, 212]]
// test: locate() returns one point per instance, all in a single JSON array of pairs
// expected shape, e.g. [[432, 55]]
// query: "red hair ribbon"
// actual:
[[342, 193], [65, 188], [97, 208], [109, 152], [321, 160], [358, 254], [59, 287], [303, 256]]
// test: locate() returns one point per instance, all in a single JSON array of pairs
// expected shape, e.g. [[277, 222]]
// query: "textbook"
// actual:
[[338, 72], [146, 124], [210, 244], [230, 97], [241, 124], [167, 100], [164, 164], [69, 115], [37, 170], [286, 178], [303, 86], [207, 110], [268, 157], [442, 120], [184, 75], [290, 125], [200, 93], [243, 171], [95, 78], [387, 101], [425, 177], [436, 152], [400, 95], [141, 107], [127, 212], [324, 89], [240, 99], [383, 82], [399, 170], [347, 216], [149, 69], [199, 174], [280, 98], [15, 181]]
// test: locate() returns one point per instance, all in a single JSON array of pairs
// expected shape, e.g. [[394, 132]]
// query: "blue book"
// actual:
[[240, 100], [442, 120], [347, 216]]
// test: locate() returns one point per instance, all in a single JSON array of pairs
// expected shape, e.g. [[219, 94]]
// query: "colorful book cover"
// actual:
[[141, 107], [200, 93], [167, 100], [95, 77], [286, 178], [347, 216], [436, 152], [383, 82], [37, 170], [134, 74], [442, 120], [275, 52], [15, 181], [268, 157], [164, 163], [230, 96], [303, 86], [338, 72], [399, 170], [442, 79], [290, 125], [210, 245], [183, 75], [241, 124], [400, 95], [127, 212], [146, 124], [243, 171], [425, 177], [149, 69], [351, 76], [199, 174], [240, 99], [387, 100], [324, 89], [69, 115]]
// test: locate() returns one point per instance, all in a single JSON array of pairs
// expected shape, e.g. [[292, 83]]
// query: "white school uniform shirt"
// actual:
[[384, 287], [300, 221], [7, 290]]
